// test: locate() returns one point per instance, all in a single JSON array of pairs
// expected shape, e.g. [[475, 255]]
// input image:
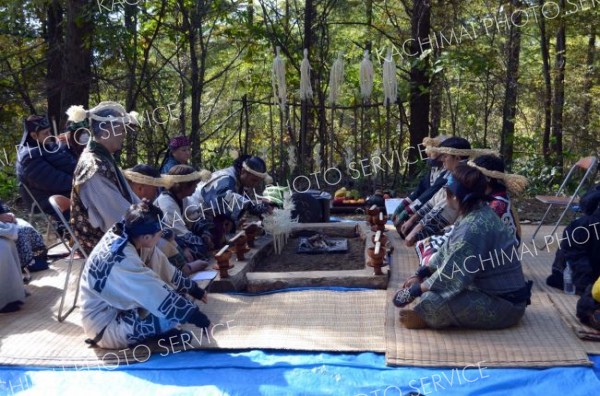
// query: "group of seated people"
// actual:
[[45, 165], [460, 219], [143, 232]]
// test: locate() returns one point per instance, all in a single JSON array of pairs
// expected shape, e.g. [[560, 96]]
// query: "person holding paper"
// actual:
[[129, 291]]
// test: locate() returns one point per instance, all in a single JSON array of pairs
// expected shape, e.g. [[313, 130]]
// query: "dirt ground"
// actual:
[[289, 260]]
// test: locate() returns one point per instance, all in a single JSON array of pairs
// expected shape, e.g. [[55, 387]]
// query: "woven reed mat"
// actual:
[[537, 266], [303, 320], [541, 339]]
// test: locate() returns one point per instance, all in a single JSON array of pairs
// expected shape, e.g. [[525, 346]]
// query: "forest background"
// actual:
[[520, 76]]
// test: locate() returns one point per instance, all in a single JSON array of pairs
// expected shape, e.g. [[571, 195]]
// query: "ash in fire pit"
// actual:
[[319, 243]]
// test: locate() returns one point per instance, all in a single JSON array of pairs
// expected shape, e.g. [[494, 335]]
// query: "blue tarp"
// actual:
[[294, 373]]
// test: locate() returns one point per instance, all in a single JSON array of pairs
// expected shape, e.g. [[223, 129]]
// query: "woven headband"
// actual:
[[472, 153], [514, 183], [255, 173], [144, 179]]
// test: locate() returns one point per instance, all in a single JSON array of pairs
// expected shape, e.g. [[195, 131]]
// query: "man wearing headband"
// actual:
[[475, 280], [435, 215], [42, 165], [101, 194], [193, 235], [129, 291], [178, 153], [228, 194], [429, 184]]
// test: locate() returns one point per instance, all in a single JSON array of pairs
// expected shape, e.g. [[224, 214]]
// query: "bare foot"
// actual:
[[411, 320]]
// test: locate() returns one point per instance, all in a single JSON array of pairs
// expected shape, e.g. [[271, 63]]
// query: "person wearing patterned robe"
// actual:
[[227, 195], [192, 232], [428, 186], [436, 215], [12, 291], [100, 194], [129, 291], [33, 252], [479, 281], [499, 183]]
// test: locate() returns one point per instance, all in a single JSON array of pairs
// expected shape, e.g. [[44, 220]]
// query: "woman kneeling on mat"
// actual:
[[476, 279], [129, 291]]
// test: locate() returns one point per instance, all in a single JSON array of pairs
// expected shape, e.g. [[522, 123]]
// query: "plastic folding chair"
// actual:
[[589, 166], [61, 204]]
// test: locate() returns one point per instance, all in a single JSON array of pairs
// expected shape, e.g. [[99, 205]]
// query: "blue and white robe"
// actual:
[[131, 296]]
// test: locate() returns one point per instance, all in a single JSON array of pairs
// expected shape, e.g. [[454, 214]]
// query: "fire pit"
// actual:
[[337, 257]]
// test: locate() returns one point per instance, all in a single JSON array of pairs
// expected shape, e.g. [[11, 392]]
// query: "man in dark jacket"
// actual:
[[580, 247], [42, 165]]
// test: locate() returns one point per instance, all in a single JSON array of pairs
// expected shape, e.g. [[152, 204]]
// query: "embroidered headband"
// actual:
[[179, 141], [136, 230]]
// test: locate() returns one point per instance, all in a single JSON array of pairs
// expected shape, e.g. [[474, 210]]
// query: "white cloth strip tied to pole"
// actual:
[[306, 91], [390, 82], [278, 81], [336, 78], [367, 74]]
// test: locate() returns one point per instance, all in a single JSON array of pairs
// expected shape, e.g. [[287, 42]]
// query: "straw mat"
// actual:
[[302, 320], [541, 339], [538, 268]]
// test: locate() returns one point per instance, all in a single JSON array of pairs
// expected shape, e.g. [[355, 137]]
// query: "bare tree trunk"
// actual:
[[509, 110], [436, 99], [54, 58], [77, 59], [419, 78], [589, 82], [547, 88], [131, 13], [559, 92]]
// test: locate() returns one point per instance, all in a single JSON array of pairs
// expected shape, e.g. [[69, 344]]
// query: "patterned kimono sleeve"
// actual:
[[129, 284], [457, 270], [440, 217], [159, 263]]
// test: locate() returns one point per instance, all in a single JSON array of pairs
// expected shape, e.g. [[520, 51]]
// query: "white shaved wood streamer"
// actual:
[[279, 223], [376, 153], [367, 74], [349, 156], [317, 156], [336, 78], [278, 81], [390, 83], [292, 157], [306, 91]]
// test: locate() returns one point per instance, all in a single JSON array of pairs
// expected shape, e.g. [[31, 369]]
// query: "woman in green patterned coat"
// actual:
[[476, 279]]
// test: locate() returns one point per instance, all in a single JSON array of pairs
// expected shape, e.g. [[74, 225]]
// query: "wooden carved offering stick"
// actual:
[[239, 234], [223, 250], [223, 265], [240, 246], [377, 247], [380, 216], [377, 236], [251, 231]]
